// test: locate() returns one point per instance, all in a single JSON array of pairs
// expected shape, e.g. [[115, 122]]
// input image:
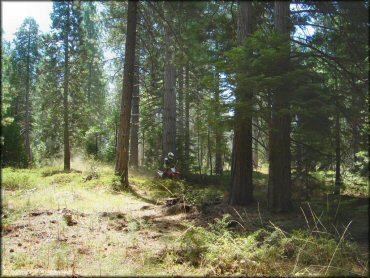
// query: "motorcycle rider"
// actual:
[[168, 163]]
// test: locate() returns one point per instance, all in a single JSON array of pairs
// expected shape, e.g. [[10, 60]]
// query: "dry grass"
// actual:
[[117, 233]]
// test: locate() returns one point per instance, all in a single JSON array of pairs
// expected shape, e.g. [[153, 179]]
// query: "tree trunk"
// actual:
[[200, 154], [242, 166], [187, 116], [134, 140], [28, 106], [169, 98], [255, 142], [127, 91], [338, 179], [180, 153], [209, 149], [67, 151], [355, 132], [279, 189], [218, 130]]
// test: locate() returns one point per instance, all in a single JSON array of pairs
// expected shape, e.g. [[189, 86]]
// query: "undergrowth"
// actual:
[[15, 180], [267, 252]]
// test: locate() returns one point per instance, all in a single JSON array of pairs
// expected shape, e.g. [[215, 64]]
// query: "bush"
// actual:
[[362, 164], [50, 171], [15, 180]]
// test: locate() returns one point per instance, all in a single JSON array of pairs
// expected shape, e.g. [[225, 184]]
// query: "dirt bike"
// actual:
[[171, 173]]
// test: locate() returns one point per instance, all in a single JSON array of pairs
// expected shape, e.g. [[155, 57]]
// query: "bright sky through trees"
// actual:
[[13, 13]]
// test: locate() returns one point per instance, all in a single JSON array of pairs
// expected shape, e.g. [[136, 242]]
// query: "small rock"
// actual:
[[69, 220], [11, 250], [172, 201], [35, 213]]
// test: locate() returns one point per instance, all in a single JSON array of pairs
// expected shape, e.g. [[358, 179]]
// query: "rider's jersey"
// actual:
[[168, 163]]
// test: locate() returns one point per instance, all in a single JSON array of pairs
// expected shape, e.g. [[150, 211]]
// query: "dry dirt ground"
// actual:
[[63, 229], [70, 242]]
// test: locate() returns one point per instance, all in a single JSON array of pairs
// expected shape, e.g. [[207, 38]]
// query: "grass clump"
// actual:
[[17, 179], [50, 171]]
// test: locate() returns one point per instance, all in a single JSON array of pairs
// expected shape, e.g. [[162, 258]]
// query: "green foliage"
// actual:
[[362, 163], [16, 180], [223, 252], [13, 150], [50, 171]]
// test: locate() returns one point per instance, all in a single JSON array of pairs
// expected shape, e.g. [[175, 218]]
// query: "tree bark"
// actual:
[[355, 121], [242, 166], [338, 179], [127, 91], [134, 140], [28, 108], [255, 142], [180, 144], [218, 130], [67, 151], [169, 98], [187, 117], [279, 188], [209, 150]]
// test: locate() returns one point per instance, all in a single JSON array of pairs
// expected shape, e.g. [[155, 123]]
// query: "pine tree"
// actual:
[[67, 26], [279, 188], [24, 61], [128, 87], [242, 167]]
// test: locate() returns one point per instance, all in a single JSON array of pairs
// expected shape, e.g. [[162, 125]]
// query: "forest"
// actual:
[[177, 138]]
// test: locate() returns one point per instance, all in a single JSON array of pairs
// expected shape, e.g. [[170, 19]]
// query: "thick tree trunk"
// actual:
[[67, 151], [169, 98], [255, 142], [127, 91], [338, 178], [209, 150], [200, 151], [180, 145], [355, 132], [242, 166], [134, 140], [187, 116], [218, 130], [279, 189], [28, 105]]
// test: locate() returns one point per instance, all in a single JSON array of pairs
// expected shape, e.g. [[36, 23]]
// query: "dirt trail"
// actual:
[[134, 235]]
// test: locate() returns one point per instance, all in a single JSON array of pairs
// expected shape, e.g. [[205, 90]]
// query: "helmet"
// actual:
[[170, 155]]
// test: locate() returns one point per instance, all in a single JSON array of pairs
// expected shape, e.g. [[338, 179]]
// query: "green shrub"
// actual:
[[62, 178], [50, 171], [15, 180]]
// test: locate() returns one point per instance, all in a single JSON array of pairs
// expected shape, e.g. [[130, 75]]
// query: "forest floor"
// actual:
[[78, 223]]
